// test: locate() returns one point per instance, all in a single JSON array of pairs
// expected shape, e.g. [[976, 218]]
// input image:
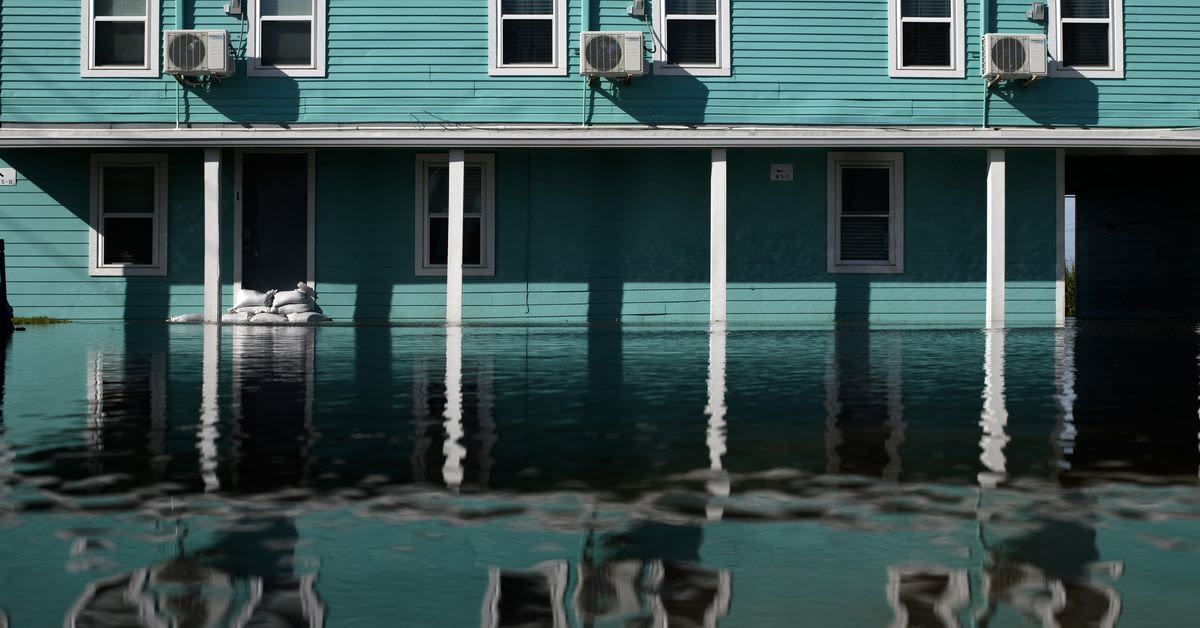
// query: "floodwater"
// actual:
[[155, 475]]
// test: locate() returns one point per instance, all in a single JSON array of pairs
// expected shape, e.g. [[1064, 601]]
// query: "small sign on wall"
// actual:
[[781, 172], [8, 176]]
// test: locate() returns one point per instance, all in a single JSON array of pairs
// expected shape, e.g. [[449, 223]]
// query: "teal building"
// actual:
[[762, 161]]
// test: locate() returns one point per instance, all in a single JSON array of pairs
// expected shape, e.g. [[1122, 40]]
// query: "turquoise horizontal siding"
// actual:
[[569, 249], [794, 62]]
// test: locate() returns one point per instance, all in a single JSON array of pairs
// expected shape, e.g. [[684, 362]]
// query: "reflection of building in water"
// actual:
[[929, 597], [244, 580], [865, 411], [649, 575], [994, 419], [273, 370], [462, 432], [127, 411]]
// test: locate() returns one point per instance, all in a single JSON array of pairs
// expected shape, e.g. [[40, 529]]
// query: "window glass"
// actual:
[[122, 8], [1085, 44], [528, 41], [692, 7], [437, 195], [128, 241], [286, 43], [527, 7], [866, 212], [1085, 8], [925, 8], [120, 44], [866, 190], [129, 189], [864, 239], [287, 7], [926, 43], [692, 41]]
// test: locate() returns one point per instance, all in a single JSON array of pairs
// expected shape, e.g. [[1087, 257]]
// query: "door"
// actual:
[[274, 195]]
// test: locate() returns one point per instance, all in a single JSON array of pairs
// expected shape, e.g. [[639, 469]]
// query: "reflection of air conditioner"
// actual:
[[1013, 56], [197, 53], [612, 54]]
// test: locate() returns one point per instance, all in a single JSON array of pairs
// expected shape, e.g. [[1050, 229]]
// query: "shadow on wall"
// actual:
[[259, 99], [1053, 102], [665, 100]]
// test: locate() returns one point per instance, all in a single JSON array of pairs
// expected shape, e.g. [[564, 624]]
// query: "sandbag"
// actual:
[[307, 317], [247, 299], [236, 318], [292, 297], [268, 318], [306, 289], [258, 309], [296, 308], [187, 318]]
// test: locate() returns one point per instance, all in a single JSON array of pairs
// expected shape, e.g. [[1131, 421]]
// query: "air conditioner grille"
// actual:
[[613, 54], [1008, 54], [604, 53], [188, 51]]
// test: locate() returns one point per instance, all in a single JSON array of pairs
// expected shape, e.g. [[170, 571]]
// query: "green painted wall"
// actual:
[[581, 236], [794, 62]]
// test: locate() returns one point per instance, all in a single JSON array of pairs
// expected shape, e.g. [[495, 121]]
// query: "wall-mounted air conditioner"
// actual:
[[612, 54], [197, 53], [1008, 56]]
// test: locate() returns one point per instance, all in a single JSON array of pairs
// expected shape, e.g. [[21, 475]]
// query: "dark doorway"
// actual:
[[275, 190]]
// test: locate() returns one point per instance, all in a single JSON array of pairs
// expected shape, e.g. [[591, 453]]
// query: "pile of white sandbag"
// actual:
[[275, 307]]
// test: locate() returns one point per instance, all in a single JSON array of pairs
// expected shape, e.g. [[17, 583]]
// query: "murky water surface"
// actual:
[[383, 476]]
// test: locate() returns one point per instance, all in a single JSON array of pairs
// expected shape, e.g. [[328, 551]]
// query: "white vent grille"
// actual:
[[1014, 56], [197, 53], [612, 54]]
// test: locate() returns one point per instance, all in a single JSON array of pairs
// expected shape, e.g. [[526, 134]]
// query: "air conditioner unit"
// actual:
[[197, 53], [1008, 56], [612, 54]]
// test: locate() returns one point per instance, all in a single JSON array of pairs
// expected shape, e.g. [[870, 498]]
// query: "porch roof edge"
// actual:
[[478, 136]]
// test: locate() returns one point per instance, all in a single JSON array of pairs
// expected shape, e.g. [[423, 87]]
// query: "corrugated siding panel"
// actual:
[[795, 62]]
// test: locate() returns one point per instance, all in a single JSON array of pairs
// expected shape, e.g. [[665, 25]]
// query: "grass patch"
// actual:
[[38, 320]]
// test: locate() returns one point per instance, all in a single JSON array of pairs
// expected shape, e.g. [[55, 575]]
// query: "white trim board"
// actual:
[[483, 136], [958, 38], [237, 214]]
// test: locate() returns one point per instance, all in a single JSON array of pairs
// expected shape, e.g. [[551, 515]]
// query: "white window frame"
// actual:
[[496, 66], [254, 64], [1116, 42], [96, 265], [894, 162], [724, 64], [87, 51], [957, 67], [423, 268]]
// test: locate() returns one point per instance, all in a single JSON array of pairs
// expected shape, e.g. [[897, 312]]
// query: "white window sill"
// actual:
[[883, 269], [273, 71], [663, 69], [119, 73], [517, 70], [927, 72]]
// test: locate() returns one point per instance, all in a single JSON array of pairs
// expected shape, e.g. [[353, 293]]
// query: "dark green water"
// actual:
[[157, 475]]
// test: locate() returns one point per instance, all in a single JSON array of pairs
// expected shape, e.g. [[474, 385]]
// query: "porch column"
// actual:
[[1060, 238], [212, 235], [454, 245], [994, 308], [717, 237]]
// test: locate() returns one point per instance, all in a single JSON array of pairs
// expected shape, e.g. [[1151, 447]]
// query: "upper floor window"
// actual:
[[1087, 38], [692, 37], [119, 38], [128, 233], [527, 37], [866, 212], [287, 38], [433, 215], [925, 38]]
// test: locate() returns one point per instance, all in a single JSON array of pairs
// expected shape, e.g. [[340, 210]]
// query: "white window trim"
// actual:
[[96, 265], [957, 67], [422, 266], [1116, 42], [724, 65], [895, 163], [254, 65], [495, 43], [87, 53]]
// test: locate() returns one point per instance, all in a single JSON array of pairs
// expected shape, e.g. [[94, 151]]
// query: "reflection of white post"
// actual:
[[718, 484], [452, 471], [995, 415], [212, 235], [209, 408], [454, 235], [895, 408], [1064, 433], [1060, 237], [717, 238], [994, 307]]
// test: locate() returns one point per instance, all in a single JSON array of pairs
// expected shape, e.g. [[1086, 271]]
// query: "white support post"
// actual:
[[212, 235], [717, 236], [1060, 238], [994, 308], [454, 235]]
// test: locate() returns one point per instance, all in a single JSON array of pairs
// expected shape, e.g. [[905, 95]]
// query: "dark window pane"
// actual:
[[286, 43], [472, 241], [692, 7], [128, 241], [692, 41], [1085, 8], [1085, 45], [926, 44], [123, 8], [286, 7], [925, 8], [864, 239], [527, 7], [120, 44], [128, 189], [528, 41], [439, 189], [866, 191], [473, 194], [438, 230]]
